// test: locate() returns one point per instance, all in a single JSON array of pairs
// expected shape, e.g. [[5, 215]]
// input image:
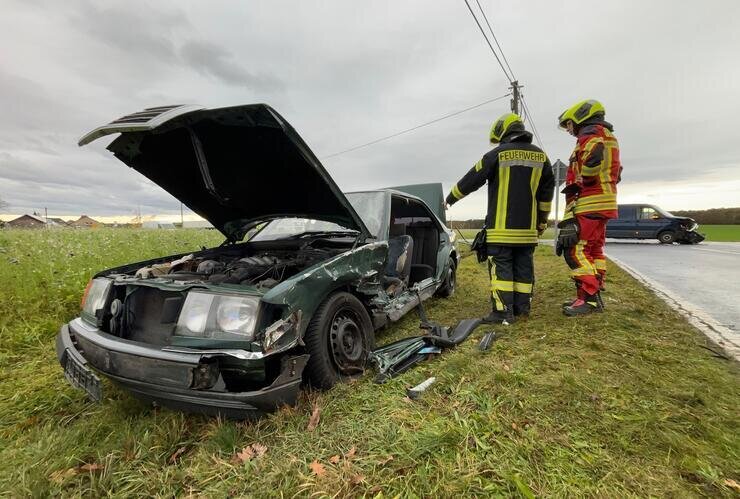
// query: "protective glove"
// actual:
[[567, 235], [571, 189]]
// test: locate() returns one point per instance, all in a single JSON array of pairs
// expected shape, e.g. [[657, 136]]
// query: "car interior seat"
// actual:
[[424, 254], [398, 266]]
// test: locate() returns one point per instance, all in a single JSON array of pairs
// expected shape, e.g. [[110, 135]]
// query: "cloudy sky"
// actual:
[[347, 72]]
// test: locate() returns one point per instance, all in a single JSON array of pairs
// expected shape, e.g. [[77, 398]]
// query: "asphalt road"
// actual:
[[706, 275]]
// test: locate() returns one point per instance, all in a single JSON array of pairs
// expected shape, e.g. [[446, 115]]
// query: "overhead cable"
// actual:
[[511, 71], [436, 120], [527, 113], [530, 119], [489, 43]]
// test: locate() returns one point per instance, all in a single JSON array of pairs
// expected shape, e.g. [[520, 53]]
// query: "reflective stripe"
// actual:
[[502, 285], [456, 192], [534, 182], [598, 202], [479, 165], [596, 207], [498, 303], [544, 205], [585, 267], [600, 263], [511, 236], [523, 287], [502, 197]]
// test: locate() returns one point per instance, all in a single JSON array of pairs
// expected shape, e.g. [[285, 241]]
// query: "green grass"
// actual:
[[625, 403], [721, 232]]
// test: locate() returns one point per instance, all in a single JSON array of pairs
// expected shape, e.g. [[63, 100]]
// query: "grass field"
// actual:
[[721, 232], [626, 403]]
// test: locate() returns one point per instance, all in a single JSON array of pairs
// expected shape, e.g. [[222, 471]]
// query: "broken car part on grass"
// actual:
[[305, 276], [400, 356]]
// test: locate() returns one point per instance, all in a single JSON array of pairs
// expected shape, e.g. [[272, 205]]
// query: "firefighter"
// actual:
[[591, 200], [520, 190]]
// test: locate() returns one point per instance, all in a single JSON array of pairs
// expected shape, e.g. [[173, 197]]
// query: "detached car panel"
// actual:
[[644, 221], [234, 330]]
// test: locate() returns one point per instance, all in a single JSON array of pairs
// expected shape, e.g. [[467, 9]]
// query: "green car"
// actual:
[[305, 277]]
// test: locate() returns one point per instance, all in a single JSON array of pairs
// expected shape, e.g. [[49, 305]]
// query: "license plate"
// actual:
[[81, 376]]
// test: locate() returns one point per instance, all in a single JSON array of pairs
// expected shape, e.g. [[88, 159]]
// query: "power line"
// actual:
[[496, 40], [415, 127], [488, 42], [530, 118], [512, 80]]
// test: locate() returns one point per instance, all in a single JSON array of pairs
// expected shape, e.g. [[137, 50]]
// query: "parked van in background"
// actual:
[[646, 221]]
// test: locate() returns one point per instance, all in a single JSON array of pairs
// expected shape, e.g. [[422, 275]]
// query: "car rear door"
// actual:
[[625, 225]]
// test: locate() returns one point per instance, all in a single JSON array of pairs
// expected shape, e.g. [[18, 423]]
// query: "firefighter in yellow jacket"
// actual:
[[520, 190]]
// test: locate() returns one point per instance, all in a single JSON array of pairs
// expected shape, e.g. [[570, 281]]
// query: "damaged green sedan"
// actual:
[[295, 294]]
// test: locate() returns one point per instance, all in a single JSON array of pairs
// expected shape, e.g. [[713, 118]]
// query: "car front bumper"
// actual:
[[168, 377]]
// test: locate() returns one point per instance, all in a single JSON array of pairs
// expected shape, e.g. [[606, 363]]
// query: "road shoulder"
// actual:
[[718, 334]]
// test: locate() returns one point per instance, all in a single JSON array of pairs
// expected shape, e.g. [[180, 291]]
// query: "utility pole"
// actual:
[[182, 223], [515, 96]]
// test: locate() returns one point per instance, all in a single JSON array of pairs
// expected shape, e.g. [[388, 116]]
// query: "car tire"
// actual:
[[667, 237], [447, 288], [339, 339]]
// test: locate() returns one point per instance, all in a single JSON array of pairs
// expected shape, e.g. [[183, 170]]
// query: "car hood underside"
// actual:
[[233, 166]]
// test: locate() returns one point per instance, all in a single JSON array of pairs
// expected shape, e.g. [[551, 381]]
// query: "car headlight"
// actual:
[[94, 298], [207, 315]]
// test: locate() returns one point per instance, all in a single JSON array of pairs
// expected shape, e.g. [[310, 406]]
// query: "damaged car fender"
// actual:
[[304, 292]]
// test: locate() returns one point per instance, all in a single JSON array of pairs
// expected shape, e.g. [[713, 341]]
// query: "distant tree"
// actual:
[[3, 204]]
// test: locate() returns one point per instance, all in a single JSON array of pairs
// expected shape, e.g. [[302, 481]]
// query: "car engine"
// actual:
[[263, 269]]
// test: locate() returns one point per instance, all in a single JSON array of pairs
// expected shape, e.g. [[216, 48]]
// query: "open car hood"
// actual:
[[233, 166]]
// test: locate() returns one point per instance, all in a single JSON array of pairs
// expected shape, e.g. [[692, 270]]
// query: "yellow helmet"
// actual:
[[581, 111], [506, 123]]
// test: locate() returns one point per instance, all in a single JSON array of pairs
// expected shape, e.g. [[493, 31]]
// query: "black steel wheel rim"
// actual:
[[347, 342]]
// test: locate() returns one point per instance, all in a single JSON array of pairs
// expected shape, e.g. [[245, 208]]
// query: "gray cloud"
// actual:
[[212, 60], [344, 73]]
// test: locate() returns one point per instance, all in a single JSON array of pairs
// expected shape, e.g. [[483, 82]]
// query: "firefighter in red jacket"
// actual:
[[591, 200]]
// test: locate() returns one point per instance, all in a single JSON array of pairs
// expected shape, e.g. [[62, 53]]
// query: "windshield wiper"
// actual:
[[324, 233]]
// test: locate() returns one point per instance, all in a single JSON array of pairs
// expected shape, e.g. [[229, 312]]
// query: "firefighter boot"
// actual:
[[587, 305], [579, 296], [600, 276], [499, 317]]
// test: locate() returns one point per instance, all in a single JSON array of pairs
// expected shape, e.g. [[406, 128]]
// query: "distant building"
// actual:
[[154, 224], [196, 224], [27, 222], [85, 222], [58, 222]]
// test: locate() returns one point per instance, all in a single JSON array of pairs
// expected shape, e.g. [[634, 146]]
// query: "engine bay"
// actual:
[[263, 268]]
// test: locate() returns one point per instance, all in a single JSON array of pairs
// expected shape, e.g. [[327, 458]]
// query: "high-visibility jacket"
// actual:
[[593, 173], [520, 189]]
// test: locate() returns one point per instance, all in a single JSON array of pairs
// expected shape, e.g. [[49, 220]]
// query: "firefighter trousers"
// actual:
[[586, 259], [511, 269]]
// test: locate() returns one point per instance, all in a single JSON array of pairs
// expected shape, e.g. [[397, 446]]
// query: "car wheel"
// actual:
[[666, 237], [447, 288], [339, 339]]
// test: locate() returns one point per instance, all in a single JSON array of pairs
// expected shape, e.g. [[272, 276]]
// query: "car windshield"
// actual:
[[282, 228], [369, 205]]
